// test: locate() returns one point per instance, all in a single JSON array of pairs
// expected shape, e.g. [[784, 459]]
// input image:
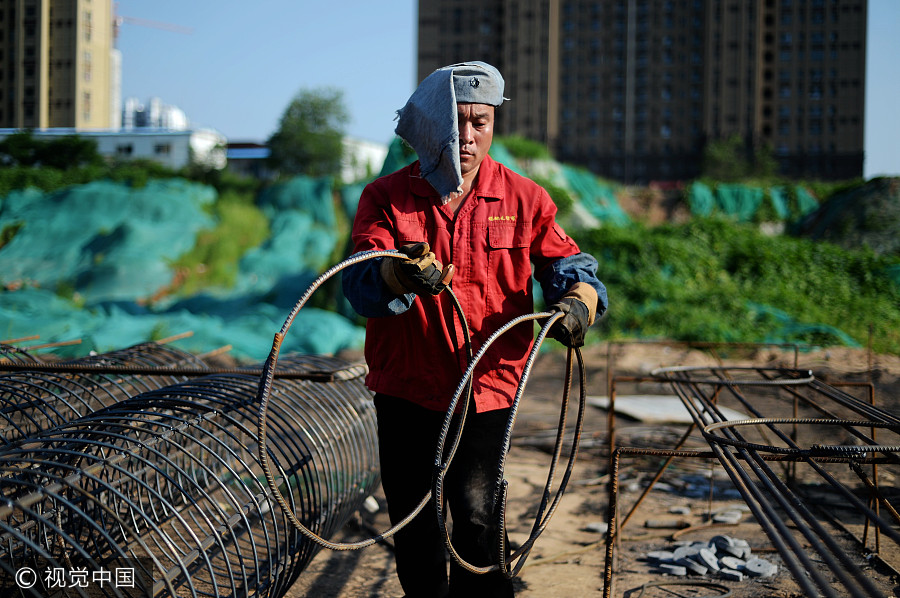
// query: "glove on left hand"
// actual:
[[579, 305]]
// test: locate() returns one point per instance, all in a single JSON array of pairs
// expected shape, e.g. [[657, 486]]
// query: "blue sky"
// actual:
[[243, 62]]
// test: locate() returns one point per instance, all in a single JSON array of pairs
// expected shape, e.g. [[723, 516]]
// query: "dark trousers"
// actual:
[[407, 439]]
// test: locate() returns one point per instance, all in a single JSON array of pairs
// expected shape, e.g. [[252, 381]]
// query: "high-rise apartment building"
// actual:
[[635, 89], [56, 64]]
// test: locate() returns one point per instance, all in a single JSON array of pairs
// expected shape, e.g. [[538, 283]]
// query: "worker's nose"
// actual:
[[465, 134]]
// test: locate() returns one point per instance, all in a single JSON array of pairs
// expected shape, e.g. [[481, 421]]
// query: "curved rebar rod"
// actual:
[[801, 377], [442, 463], [465, 386], [11, 354], [264, 393]]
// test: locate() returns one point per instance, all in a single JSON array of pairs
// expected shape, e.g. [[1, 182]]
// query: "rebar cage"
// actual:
[[164, 484]]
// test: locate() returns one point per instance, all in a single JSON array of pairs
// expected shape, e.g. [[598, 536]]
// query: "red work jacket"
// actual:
[[505, 225]]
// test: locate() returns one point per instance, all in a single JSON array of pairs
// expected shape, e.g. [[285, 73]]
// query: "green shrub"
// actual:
[[560, 196], [525, 149], [714, 280], [214, 260]]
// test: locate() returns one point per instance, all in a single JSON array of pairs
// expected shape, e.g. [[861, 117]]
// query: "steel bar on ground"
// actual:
[[819, 563]]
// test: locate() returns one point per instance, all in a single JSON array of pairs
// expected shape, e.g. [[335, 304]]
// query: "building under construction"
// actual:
[[635, 89]]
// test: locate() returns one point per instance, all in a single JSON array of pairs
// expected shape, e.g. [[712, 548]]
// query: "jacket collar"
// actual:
[[488, 185]]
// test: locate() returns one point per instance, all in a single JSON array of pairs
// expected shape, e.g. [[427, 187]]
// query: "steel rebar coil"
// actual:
[[170, 480]]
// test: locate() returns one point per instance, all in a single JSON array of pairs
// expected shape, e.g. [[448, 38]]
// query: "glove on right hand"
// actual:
[[422, 274]]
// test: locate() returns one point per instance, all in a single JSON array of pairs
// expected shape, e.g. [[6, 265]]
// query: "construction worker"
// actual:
[[464, 220]]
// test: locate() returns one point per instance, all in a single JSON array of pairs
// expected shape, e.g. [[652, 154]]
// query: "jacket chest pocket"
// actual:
[[508, 270], [505, 236]]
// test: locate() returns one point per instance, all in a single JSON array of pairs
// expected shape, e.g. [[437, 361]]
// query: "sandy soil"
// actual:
[[568, 558]]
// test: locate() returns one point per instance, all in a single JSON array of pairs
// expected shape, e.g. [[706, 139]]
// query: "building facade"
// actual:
[[170, 148], [57, 64], [636, 89]]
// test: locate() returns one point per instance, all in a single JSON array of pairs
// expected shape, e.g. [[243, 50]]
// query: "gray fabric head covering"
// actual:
[[429, 124]]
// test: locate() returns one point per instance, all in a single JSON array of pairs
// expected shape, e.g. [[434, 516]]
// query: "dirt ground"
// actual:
[[569, 557]]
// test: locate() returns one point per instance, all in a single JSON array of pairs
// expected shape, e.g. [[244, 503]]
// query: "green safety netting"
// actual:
[[739, 200], [107, 246], [399, 155], [350, 197], [791, 330], [105, 327], [502, 155], [107, 240], [744, 202], [597, 197]]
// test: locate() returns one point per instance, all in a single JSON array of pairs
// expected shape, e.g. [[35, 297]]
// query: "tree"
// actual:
[[70, 151], [732, 159], [726, 159], [309, 139]]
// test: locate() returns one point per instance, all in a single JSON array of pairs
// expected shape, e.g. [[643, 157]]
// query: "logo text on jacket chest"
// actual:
[[511, 218]]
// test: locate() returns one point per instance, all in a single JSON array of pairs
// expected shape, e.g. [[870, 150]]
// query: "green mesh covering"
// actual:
[[598, 198], [700, 199], [302, 243], [739, 200], [502, 155], [780, 202], [399, 155], [744, 203], [350, 195], [806, 203], [109, 241], [791, 330], [107, 246], [248, 331]]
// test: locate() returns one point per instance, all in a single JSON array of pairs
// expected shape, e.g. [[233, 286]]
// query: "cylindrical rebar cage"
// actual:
[[33, 400], [167, 484]]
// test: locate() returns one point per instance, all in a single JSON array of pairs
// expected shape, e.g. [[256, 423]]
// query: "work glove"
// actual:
[[422, 274], [579, 305]]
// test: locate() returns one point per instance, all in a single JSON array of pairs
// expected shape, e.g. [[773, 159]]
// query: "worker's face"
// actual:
[[476, 131]]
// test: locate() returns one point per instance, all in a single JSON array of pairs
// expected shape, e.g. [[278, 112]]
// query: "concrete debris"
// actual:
[[672, 569], [661, 556], [760, 568], [731, 575], [722, 556], [692, 566], [708, 557], [371, 505]]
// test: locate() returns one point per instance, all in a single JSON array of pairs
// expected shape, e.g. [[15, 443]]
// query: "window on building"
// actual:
[[162, 149], [124, 149]]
